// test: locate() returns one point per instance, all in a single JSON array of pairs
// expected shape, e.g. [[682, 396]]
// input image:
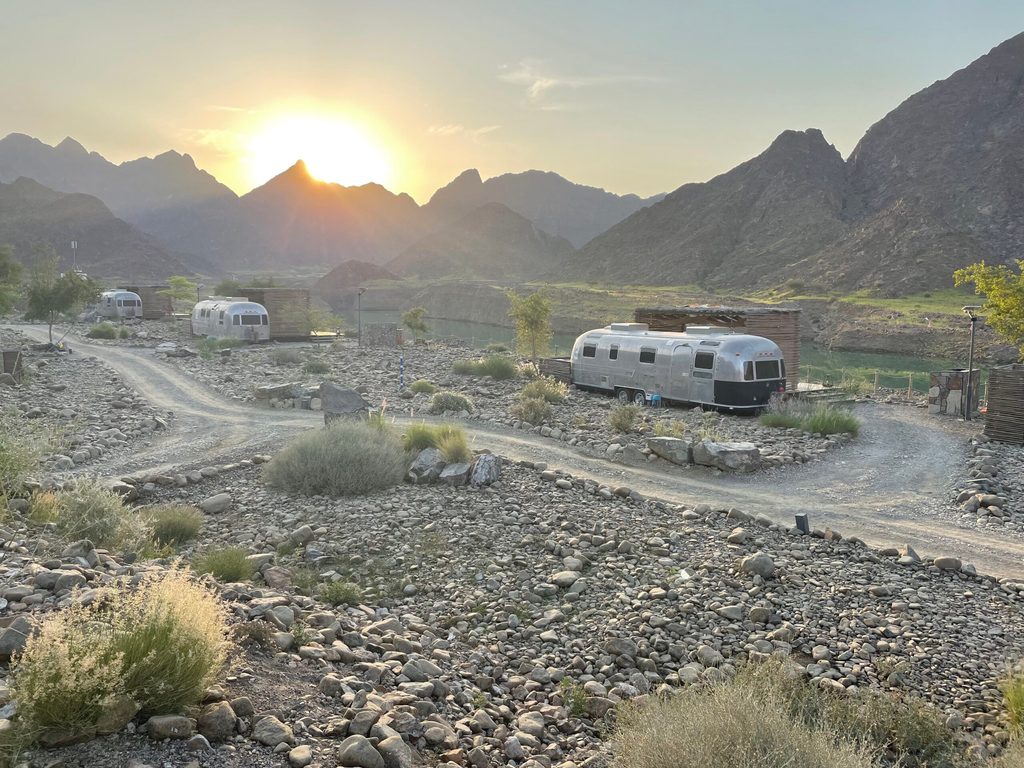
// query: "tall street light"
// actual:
[[359, 316], [971, 312]]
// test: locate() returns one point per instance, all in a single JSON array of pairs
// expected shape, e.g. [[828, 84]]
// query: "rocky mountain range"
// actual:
[[491, 241], [31, 214], [936, 184]]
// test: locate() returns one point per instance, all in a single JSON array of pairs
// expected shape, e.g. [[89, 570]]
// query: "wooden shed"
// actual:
[[289, 311], [780, 324], [1004, 417], [155, 305]]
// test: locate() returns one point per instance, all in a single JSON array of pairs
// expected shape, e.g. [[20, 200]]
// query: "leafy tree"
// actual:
[[181, 289], [51, 294], [1003, 289], [413, 320], [10, 276], [532, 316]]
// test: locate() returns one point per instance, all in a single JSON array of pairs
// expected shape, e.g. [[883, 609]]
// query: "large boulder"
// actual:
[[671, 449], [486, 470], [455, 474], [278, 391], [729, 457], [427, 466], [338, 402]]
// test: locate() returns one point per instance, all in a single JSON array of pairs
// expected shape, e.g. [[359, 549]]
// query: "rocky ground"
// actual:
[[78, 409], [582, 420], [989, 496], [501, 625]]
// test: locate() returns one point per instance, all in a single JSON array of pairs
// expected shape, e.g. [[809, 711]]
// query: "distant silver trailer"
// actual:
[[119, 304], [234, 317], [703, 366]]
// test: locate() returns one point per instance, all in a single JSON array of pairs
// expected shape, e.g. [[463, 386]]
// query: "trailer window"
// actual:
[[221, 318], [251, 319], [704, 360], [767, 369], [590, 350], [647, 355], [613, 353], [748, 371], [236, 319], [264, 320]]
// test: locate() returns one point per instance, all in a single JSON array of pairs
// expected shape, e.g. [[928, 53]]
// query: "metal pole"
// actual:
[[970, 370], [359, 317]]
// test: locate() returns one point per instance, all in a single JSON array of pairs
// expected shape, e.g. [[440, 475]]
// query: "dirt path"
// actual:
[[890, 486]]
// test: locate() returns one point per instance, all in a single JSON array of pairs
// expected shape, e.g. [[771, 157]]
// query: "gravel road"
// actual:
[[890, 486]]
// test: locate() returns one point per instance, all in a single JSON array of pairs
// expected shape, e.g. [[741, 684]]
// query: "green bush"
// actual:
[[545, 388], [347, 457], [423, 435], [495, 366], [623, 417], [1012, 687], [173, 524], [227, 565], [285, 356], [90, 511], [160, 645], [729, 724], [830, 420], [207, 346], [340, 593], [533, 410], [124, 333], [19, 455], [102, 331], [454, 447], [423, 386], [316, 367], [496, 347], [449, 401]]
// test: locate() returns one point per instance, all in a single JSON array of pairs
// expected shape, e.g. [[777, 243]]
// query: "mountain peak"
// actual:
[[470, 176], [70, 146]]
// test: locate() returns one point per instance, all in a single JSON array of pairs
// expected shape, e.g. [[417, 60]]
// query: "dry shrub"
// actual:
[[227, 565], [424, 386], [726, 725], [533, 410], [623, 417], [423, 435], [161, 645], [450, 401], [345, 458], [43, 507], [90, 511], [454, 447], [545, 388], [285, 356]]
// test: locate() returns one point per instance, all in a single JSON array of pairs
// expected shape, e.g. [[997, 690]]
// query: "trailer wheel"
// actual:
[[639, 398], [623, 396]]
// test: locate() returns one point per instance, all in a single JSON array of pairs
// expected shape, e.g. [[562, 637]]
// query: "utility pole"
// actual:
[[971, 312], [74, 255]]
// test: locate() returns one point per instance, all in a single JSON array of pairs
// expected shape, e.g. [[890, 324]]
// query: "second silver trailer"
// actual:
[[703, 366]]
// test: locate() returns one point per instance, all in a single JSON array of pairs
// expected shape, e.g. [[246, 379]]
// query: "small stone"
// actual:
[[270, 732], [215, 504], [358, 752], [162, 727], [300, 756]]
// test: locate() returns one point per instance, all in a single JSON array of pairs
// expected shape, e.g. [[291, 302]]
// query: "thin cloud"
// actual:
[[544, 88], [457, 129], [228, 108]]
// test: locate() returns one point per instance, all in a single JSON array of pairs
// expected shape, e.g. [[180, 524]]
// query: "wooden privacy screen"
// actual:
[[1004, 419], [288, 310], [780, 325]]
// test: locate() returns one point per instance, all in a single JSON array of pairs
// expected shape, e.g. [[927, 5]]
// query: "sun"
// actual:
[[334, 149]]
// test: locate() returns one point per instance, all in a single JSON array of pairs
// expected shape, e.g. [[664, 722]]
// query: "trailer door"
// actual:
[[702, 383], [679, 374]]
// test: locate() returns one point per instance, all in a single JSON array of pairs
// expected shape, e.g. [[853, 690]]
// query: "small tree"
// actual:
[[181, 289], [532, 316], [1003, 289], [413, 320], [51, 294], [231, 287], [10, 276]]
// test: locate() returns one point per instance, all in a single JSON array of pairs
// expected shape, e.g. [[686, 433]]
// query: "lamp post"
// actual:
[[359, 316], [971, 312]]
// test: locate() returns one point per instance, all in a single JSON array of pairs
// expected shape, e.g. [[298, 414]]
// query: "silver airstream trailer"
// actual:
[[233, 317], [119, 304], [707, 366]]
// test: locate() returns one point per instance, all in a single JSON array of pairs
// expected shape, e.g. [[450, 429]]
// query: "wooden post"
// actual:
[[876, 381], [910, 386]]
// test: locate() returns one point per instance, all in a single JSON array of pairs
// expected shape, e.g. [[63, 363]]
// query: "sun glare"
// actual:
[[333, 149]]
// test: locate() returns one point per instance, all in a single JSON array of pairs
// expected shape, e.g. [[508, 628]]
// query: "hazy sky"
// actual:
[[629, 96]]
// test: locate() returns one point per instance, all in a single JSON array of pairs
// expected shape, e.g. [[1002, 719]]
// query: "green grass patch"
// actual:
[[422, 386], [623, 418], [822, 418], [545, 388], [173, 524], [423, 435], [1012, 687], [497, 367], [340, 593], [449, 401], [533, 410], [227, 565], [316, 367], [454, 447]]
